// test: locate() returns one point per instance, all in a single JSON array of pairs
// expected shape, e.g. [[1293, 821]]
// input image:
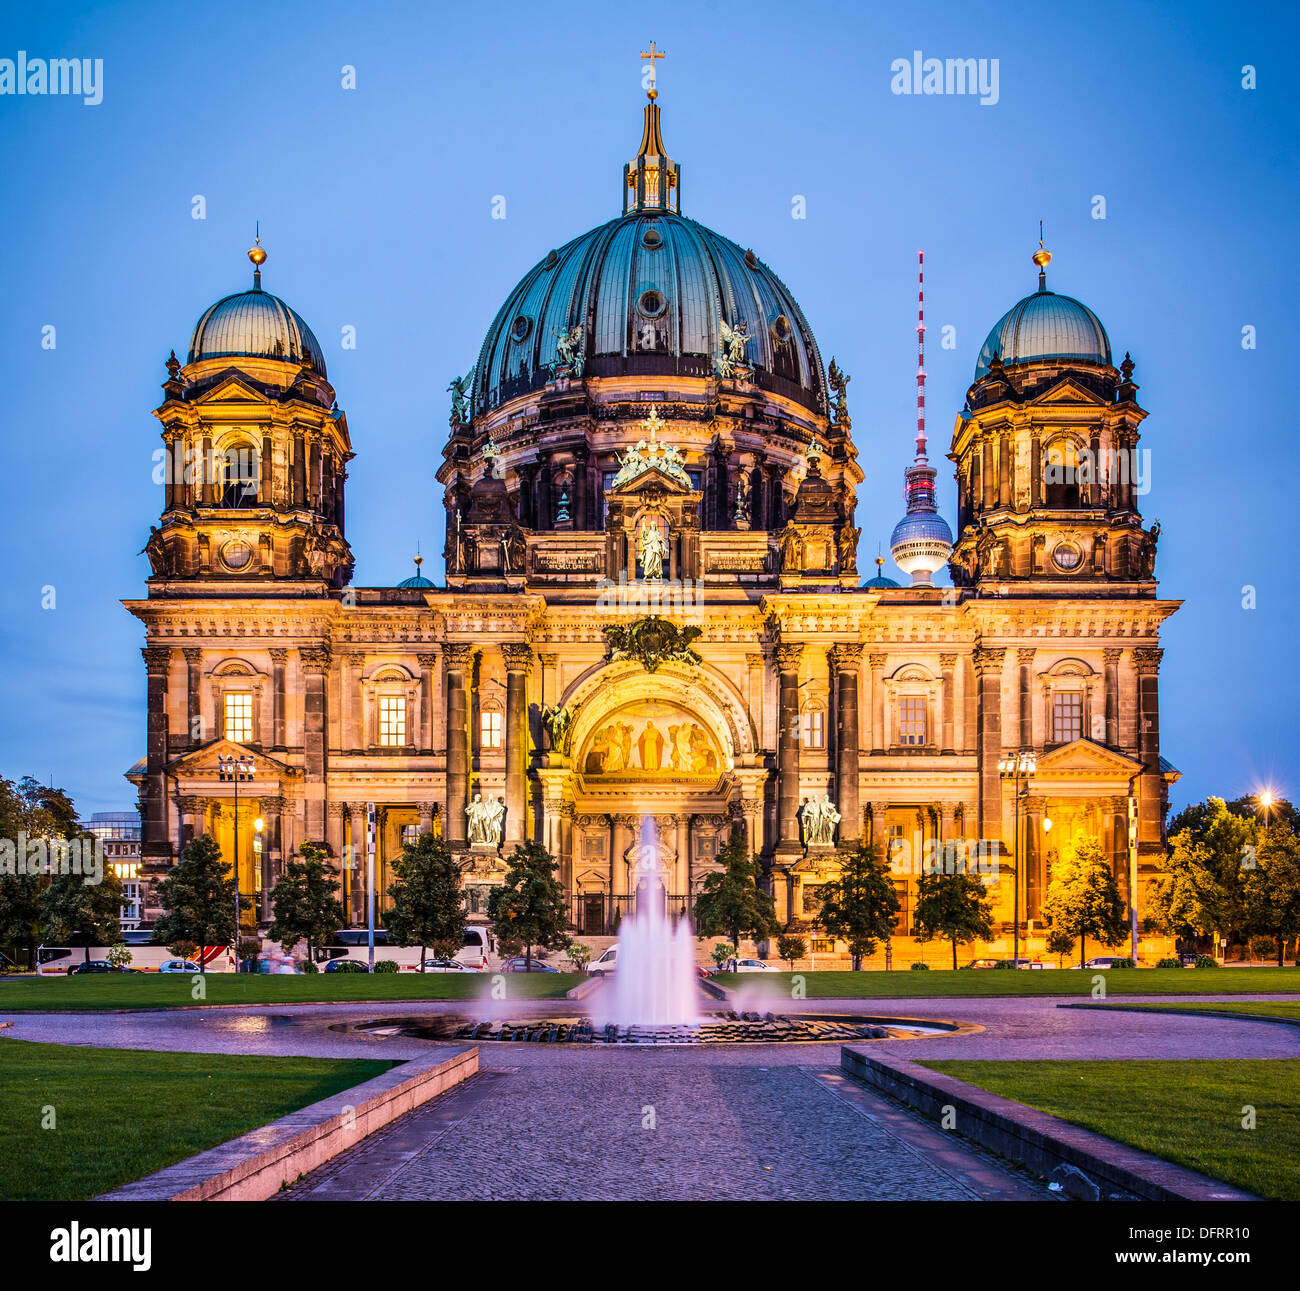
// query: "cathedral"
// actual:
[[653, 605]]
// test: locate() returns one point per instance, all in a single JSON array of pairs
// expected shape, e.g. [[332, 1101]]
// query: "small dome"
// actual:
[[417, 581], [880, 582], [1046, 326], [255, 324]]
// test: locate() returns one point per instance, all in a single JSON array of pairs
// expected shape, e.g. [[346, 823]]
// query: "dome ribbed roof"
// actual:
[[1046, 326], [648, 290], [255, 324]]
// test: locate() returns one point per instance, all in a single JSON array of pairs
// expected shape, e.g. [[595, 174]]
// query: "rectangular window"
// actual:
[[814, 729], [410, 835], [1067, 716], [491, 729], [238, 716], [911, 719], [392, 721]]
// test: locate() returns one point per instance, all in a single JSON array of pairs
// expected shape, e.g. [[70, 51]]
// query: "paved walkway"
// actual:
[[724, 1122]]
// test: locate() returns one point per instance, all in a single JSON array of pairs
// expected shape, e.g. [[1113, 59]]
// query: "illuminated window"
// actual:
[[1067, 716], [492, 728], [814, 728], [238, 715], [240, 476], [911, 719], [392, 721]]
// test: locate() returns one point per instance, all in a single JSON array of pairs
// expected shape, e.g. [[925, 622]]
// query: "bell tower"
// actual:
[[254, 457]]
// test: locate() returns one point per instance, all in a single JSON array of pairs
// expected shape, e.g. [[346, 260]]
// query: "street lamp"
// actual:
[[1266, 801], [259, 881], [1017, 768], [234, 769]]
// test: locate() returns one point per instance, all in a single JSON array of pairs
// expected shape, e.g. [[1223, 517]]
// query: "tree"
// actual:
[[955, 906], [428, 901], [1083, 898], [1059, 943], [1201, 884], [1272, 888], [579, 954], [791, 948], [71, 907], [529, 907], [730, 903], [37, 811], [861, 905], [304, 902], [199, 897]]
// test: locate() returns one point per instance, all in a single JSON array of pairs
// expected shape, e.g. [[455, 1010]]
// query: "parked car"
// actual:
[[1104, 961], [520, 964], [701, 971], [982, 963], [346, 966], [179, 966], [754, 966], [606, 963], [98, 966], [1033, 963], [445, 966]]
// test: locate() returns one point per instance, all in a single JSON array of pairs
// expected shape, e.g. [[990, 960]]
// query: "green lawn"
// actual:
[[1119, 981], [170, 990], [1189, 1111], [1271, 1008], [120, 1114]]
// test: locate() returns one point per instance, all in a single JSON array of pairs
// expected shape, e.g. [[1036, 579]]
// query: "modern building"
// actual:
[[652, 603], [121, 832]]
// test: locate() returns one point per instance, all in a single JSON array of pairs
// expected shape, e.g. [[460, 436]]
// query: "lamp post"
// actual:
[[259, 879], [234, 769], [1017, 768]]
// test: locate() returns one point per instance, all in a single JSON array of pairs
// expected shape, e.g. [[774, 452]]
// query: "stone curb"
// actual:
[[1033, 1138], [255, 1165], [1187, 1013], [583, 989]]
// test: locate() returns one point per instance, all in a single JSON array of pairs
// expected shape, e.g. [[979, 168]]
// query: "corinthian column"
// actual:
[[518, 658], [788, 658], [846, 659], [988, 668], [455, 657]]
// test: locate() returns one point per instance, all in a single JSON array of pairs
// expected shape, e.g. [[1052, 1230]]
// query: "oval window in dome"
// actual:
[[1066, 555], [551, 257], [236, 554], [781, 329], [652, 238], [520, 328], [652, 303]]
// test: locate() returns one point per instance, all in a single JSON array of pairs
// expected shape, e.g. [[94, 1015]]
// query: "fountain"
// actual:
[[656, 983]]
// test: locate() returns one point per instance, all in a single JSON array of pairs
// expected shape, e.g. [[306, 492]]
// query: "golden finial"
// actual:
[[1042, 258], [258, 256], [651, 89]]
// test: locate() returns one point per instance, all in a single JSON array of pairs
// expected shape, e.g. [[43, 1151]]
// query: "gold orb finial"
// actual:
[[256, 254], [1042, 257]]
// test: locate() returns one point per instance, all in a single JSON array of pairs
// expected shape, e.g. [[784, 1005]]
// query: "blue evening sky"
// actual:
[[375, 207]]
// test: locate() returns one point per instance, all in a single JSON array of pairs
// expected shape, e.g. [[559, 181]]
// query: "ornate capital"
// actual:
[[1147, 658], [272, 803], [548, 660], [628, 822], [156, 658], [315, 659], [1025, 655], [518, 656], [567, 811], [1112, 656], [877, 662], [988, 658], [947, 661], [455, 655], [190, 804], [279, 655], [427, 659], [846, 656], [788, 656], [193, 654], [336, 809], [754, 660]]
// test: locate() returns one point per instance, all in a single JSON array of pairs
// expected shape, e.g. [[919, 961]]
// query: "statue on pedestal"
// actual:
[[485, 818], [819, 818]]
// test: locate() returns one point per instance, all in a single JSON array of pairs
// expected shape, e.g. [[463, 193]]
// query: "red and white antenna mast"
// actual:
[[920, 355]]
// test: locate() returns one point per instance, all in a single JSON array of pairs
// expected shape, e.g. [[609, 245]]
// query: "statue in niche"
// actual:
[[156, 550], [485, 817], [848, 549], [652, 550], [819, 818]]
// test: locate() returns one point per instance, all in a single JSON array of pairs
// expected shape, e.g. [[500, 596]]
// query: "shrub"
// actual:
[[579, 955], [308, 966], [250, 948], [1004, 963], [1206, 961], [385, 966], [1124, 963], [118, 955], [790, 948], [721, 953], [184, 950], [350, 966], [1263, 947], [919, 968], [1170, 963]]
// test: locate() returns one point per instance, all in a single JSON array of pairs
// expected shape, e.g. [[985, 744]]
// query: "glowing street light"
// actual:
[[1017, 768]]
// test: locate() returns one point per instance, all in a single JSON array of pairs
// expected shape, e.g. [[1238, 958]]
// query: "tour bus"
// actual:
[[56, 960], [352, 943]]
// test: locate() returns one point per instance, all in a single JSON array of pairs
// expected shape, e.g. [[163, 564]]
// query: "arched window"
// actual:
[[241, 474], [1061, 475]]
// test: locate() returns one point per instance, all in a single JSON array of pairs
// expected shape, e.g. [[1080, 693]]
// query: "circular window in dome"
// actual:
[[652, 303], [1066, 556], [236, 554], [781, 328], [552, 256], [520, 328], [652, 238]]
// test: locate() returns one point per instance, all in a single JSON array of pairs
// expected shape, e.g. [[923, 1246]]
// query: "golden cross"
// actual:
[[652, 55]]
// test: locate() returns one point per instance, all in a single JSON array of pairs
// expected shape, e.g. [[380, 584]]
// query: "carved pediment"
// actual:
[[1066, 391], [231, 388], [1085, 757], [203, 763]]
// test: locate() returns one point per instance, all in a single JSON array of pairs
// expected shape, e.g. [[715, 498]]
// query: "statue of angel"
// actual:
[[568, 348], [460, 399]]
